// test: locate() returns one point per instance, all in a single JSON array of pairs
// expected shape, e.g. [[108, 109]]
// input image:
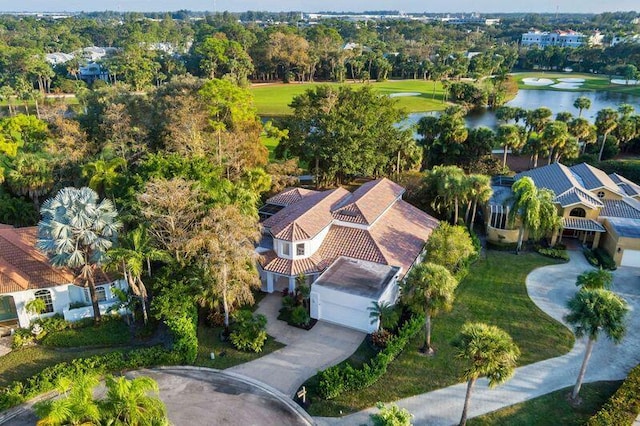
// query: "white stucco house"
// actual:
[[353, 248], [25, 274]]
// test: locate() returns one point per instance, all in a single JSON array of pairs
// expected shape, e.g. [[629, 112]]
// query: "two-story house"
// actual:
[[353, 247], [598, 209]]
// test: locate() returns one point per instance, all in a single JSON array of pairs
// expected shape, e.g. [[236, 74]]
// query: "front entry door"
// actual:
[[7, 309]]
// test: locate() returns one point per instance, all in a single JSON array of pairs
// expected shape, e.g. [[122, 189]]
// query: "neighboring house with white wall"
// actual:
[[26, 274], [543, 39], [356, 245]]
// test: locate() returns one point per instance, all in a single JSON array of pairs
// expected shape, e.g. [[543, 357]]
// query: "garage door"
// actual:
[[341, 315], [630, 258]]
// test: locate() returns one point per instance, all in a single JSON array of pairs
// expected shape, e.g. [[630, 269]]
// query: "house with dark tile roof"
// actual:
[[26, 274], [352, 235], [589, 201]]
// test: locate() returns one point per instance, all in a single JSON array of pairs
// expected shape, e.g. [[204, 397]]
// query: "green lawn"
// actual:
[[270, 144], [552, 409], [110, 332], [274, 99], [592, 82], [494, 292], [209, 341]]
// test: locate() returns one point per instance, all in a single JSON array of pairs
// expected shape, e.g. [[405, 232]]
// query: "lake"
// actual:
[[555, 100]]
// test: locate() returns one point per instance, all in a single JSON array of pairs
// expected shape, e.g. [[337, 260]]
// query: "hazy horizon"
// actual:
[[412, 6]]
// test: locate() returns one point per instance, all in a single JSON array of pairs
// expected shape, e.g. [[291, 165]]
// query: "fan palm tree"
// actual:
[[450, 186], [31, 175], [534, 208], [509, 136], [128, 402], [429, 289], [554, 136], [487, 351], [591, 312], [598, 278], [76, 231], [606, 122], [479, 193], [384, 313], [103, 174], [75, 407], [581, 129], [136, 252], [581, 104]]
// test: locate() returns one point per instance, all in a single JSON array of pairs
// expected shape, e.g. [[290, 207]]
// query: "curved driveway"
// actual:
[[550, 288]]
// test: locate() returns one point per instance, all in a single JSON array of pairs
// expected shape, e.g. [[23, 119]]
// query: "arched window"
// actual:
[[578, 212], [45, 296]]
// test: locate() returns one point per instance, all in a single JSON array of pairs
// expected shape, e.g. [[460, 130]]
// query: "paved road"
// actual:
[[549, 287], [203, 397], [306, 351]]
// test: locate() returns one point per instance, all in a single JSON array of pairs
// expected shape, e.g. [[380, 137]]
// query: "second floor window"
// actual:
[[578, 212], [300, 249], [285, 249]]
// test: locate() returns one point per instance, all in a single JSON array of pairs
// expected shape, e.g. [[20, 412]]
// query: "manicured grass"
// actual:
[[209, 341], [22, 363], [552, 409], [494, 292], [110, 332], [270, 144], [593, 82], [274, 99]]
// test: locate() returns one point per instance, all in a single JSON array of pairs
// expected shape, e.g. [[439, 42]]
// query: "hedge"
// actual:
[[553, 253], [624, 406], [338, 379], [182, 325]]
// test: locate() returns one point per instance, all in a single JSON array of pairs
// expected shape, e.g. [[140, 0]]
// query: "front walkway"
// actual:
[[306, 352], [550, 287]]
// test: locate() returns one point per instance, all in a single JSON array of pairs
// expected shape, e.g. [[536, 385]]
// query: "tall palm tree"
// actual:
[[487, 351], [625, 110], [128, 402], [480, 193], [103, 174], [384, 313], [537, 119], [554, 136], [450, 186], [591, 312], [134, 253], [581, 129], [429, 289], [534, 208], [606, 122], [509, 136], [75, 407], [76, 231], [224, 250], [581, 104]]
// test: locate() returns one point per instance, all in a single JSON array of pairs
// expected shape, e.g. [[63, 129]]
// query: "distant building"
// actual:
[[92, 72], [57, 58], [632, 38], [553, 38]]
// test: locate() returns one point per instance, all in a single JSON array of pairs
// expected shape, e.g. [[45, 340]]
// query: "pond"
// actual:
[[557, 101]]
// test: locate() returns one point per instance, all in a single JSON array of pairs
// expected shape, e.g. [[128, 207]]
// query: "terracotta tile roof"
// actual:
[[289, 196], [23, 267], [304, 219], [630, 188], [348, 242], [402, 233], [369, 201], [272, 263]]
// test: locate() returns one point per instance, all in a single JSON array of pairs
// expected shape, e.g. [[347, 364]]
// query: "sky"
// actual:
[[466, 6]]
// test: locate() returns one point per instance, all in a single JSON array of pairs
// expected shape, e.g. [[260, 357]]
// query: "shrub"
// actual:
[[499, 246], [554, 253], [288, 302], [53, 324], [380, 338], [391, 415], [624, 406], [250, 332], [22, 337], [300, 316], [595, 279], [591, 258], [604, 259], [110, 331], [340, 378]]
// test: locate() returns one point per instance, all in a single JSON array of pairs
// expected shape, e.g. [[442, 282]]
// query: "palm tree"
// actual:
[[581, 129], [450, 187], [564, 116], [224, 250], [128, 402], [606, 122], [133, 254], [103, 174], [592, 311], [508, 135], [534, 208], [537, 119], [554, 137], [582, 103], [598, 278], [488, 351], [625, 110], [76, 231], [429, 289], [31, 175], [384, 313], [480, 193], [506, 113], [75, 407]]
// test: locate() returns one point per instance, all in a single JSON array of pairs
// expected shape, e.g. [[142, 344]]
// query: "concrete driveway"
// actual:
[[202, 397], [550, 287], [306, 351]]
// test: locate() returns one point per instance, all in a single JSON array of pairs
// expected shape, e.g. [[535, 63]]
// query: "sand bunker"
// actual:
[[571, 80], [404, 94], [530, 81], [624, 82], [567, 86]]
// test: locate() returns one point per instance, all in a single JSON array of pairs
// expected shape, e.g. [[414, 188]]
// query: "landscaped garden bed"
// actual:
[[493, 292]]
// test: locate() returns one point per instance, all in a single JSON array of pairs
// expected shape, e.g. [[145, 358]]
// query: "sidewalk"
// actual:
[[549, 287]]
